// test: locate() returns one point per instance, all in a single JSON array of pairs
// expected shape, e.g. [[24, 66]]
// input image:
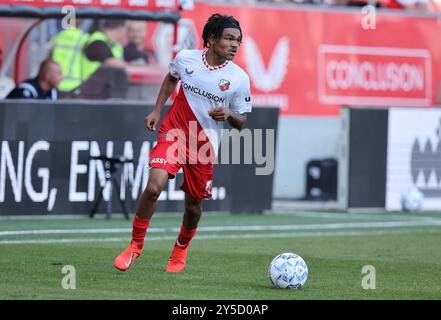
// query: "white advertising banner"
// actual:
[[414, 156]]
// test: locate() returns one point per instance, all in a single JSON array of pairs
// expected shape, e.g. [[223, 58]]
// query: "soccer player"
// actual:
[[213, 90]]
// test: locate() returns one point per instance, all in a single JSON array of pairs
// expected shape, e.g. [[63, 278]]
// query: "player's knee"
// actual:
[[152, 192], [193, 209]]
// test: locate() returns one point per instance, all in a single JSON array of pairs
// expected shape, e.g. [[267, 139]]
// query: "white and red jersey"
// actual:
[[204, 87]]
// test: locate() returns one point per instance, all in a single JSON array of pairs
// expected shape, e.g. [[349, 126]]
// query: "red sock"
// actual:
[[185, 236], [139, 230]]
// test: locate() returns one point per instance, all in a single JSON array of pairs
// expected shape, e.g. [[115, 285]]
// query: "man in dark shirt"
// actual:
[[44, 86], [135, 52]]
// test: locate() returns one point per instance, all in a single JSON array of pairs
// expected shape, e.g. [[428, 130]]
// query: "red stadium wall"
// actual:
[[10, 30], [312, 62], [155, 5]]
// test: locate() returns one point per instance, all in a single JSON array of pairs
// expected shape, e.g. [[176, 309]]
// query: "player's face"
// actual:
[[136, 32], [226, 47]]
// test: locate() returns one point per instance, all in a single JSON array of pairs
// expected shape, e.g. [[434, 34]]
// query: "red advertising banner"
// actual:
[[120, 4], [379, 75], [311, 62]]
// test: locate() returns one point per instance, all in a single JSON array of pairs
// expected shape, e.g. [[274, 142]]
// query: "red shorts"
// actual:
[[198, 177]]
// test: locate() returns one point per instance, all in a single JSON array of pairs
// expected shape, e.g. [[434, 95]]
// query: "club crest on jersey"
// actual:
[[224, 84]]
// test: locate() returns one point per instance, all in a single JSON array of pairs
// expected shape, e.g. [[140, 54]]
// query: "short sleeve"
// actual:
[[242, 98], [23, 91], [175, 66]]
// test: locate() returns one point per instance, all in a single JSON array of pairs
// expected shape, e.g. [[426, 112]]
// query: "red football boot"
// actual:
[[178, 259], [126, 259]]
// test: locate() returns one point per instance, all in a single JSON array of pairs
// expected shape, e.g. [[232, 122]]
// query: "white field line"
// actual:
[[216, 236], [99, 216], [324, 226], [356, 216]]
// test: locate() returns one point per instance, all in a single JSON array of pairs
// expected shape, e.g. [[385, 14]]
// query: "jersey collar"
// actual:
[[210, 68]]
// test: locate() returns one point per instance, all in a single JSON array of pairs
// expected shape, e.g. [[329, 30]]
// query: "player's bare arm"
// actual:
[[236, 120], [167, 87]]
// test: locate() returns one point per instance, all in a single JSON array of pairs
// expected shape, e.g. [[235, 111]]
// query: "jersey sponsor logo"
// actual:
[[202, 93], [224, 84], [158, 160]]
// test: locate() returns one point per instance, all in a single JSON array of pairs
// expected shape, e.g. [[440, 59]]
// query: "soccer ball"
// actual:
[[412, 200], [288, 270]]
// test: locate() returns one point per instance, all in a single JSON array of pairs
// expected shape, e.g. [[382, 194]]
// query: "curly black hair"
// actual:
[[215, 27]]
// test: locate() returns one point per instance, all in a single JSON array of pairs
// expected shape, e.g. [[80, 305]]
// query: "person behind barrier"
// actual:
[[44, 86], [135, 51], [104, 47], [67, 49], [103, 69]]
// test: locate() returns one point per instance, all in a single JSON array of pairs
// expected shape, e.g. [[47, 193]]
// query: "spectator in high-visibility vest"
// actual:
[[67, 51], [104, 47]]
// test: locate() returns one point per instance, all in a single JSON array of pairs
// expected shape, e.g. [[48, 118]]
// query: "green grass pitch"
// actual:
[[228, 259]]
